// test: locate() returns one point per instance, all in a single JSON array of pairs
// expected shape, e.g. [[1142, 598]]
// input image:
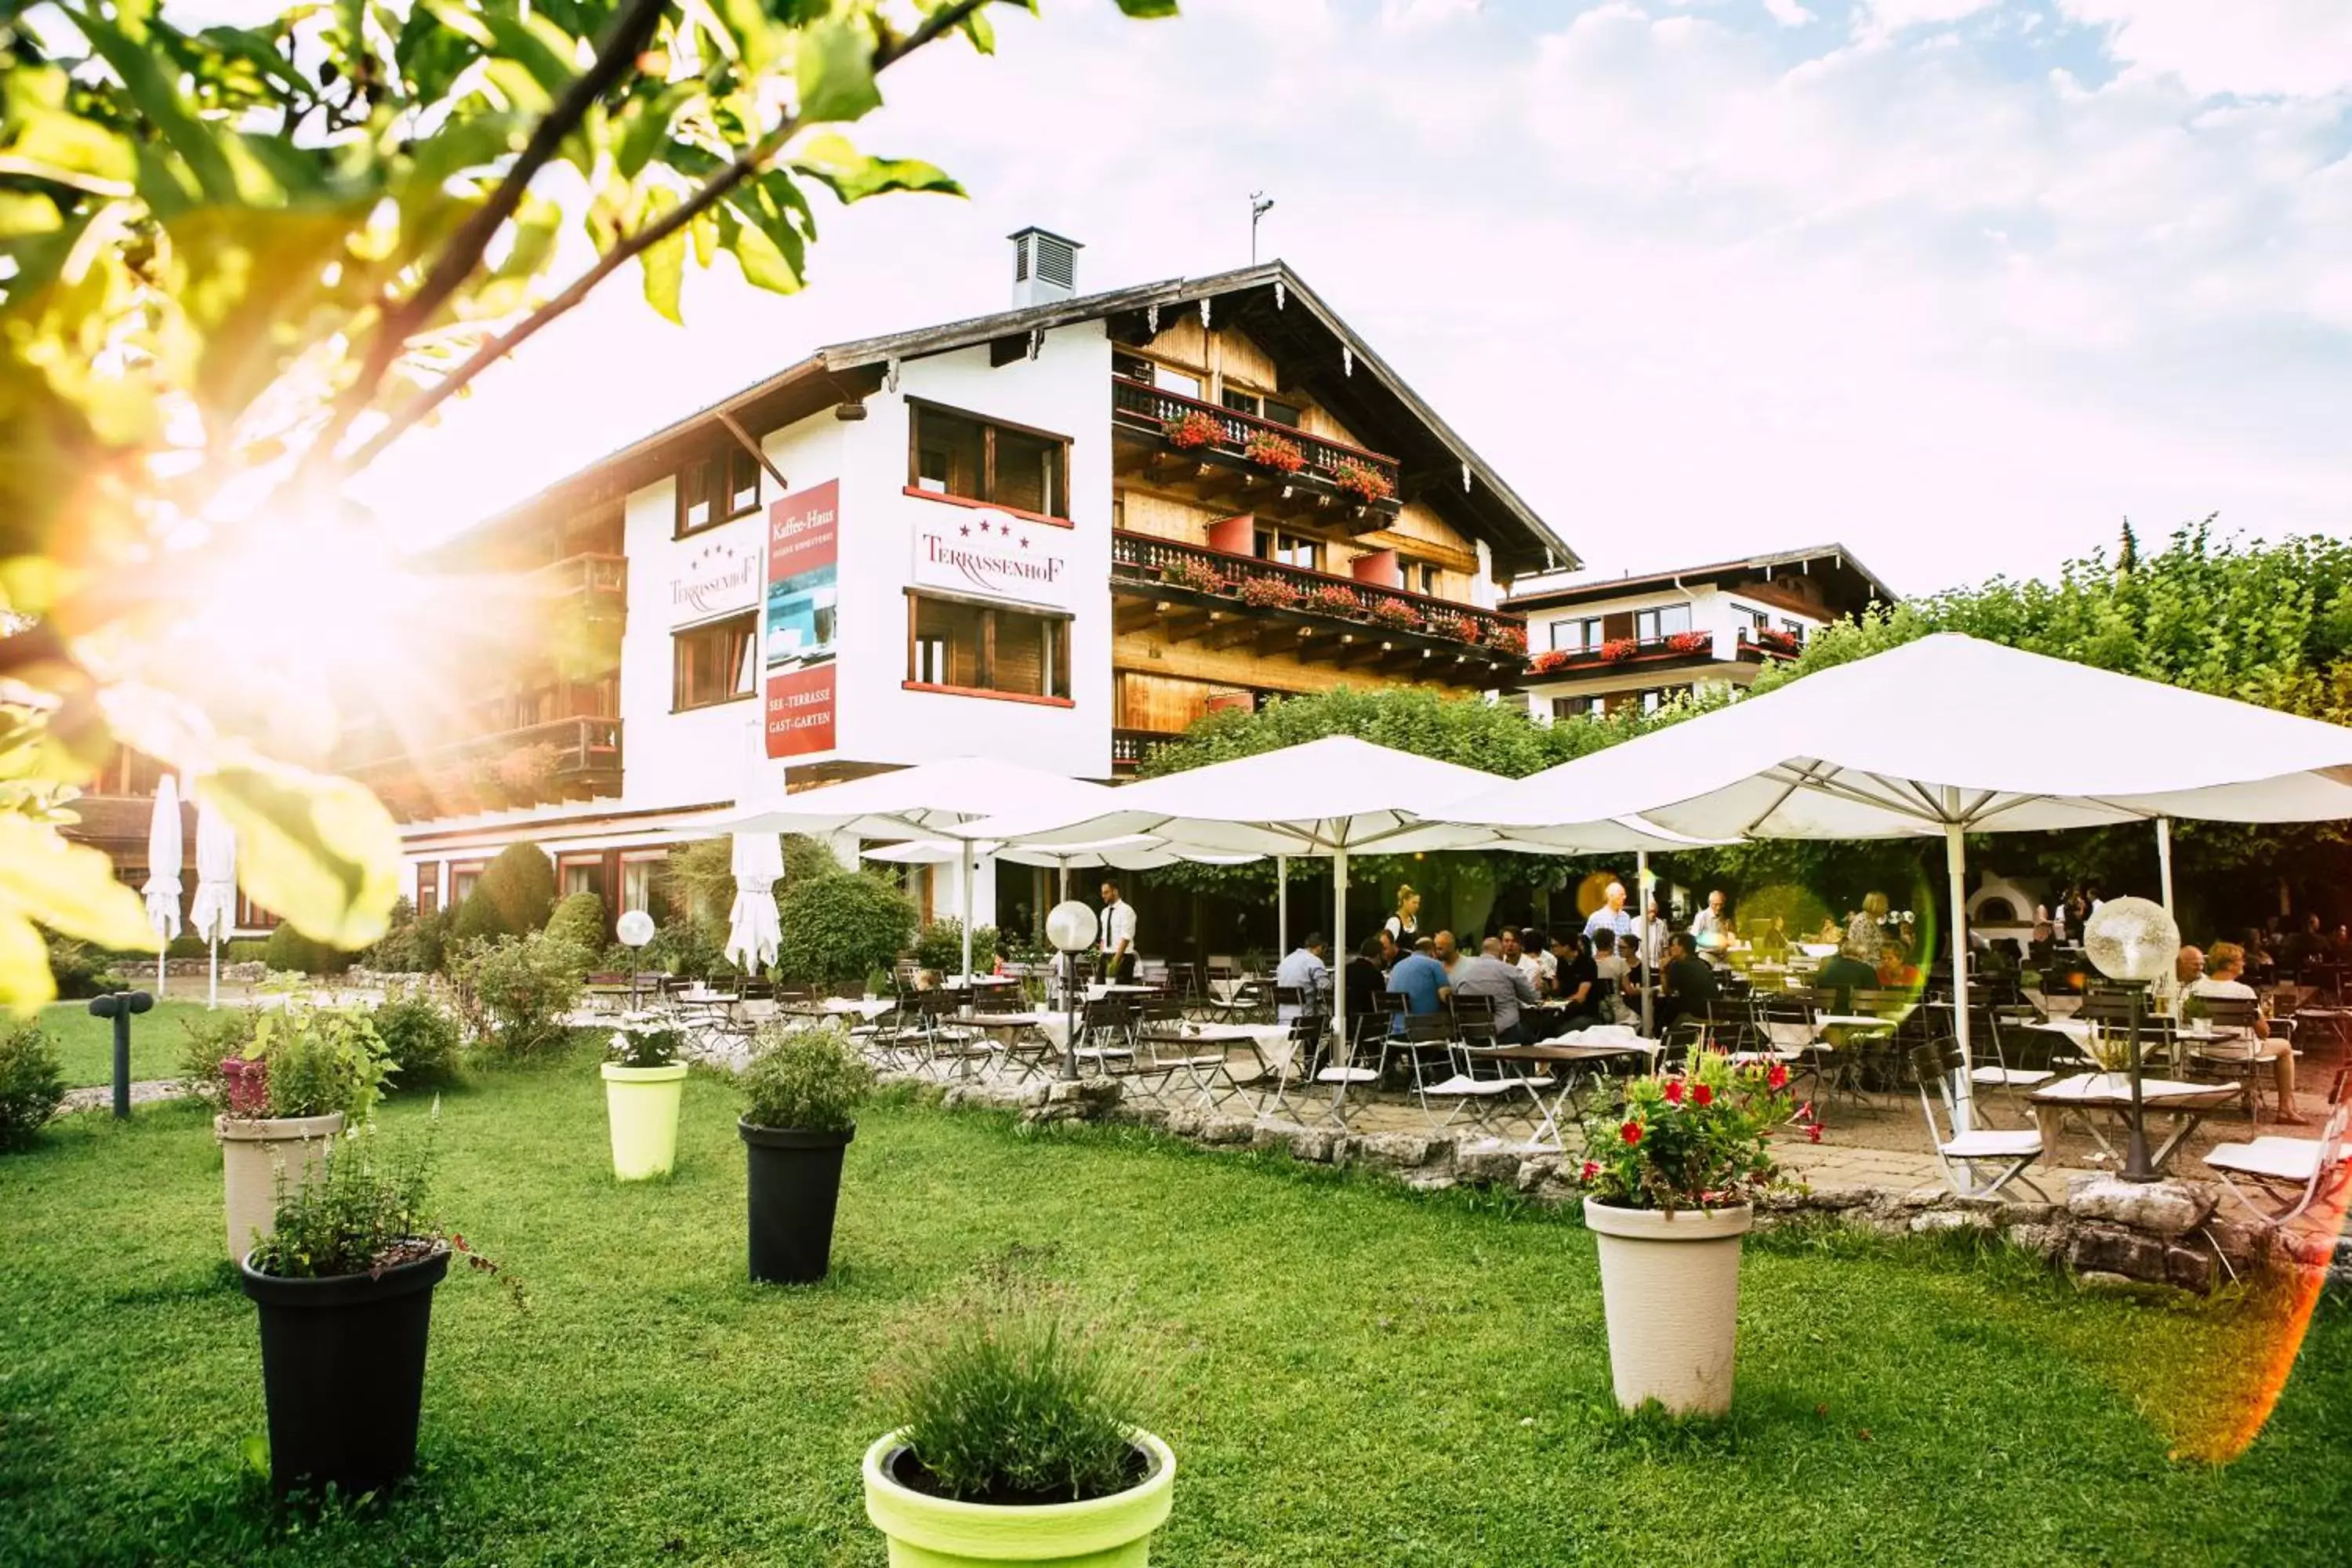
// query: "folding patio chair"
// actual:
[[2292, 1175], [2240, 1057], [2011, 1151], [1106, 1035], [2011, 1063], [1344, 1076]]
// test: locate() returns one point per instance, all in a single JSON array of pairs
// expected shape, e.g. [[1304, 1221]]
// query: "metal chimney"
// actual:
[[1044, 267]]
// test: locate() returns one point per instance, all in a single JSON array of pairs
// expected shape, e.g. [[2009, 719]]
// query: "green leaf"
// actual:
[[195, 142], [665, 263], [1148, 10], [69, 888], [853, 175], [835, 69], [22, 213], [254, 1450], [26, 983], [320, 851], [646, 126]]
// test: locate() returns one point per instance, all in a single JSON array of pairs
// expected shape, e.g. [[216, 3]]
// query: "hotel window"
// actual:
[[1288, 549], [637, 873], [1576, 637], [987, 647], [461, 882], [580, 874], [1575, 707], [1649, 626], [717, 488], [1420, 577], [1183, 384], [711, 664], [957, 455], [1794, 628], [428, 887], [1268, 408]]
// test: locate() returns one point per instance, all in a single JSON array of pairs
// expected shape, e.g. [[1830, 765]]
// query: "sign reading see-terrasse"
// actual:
[[995, 556]]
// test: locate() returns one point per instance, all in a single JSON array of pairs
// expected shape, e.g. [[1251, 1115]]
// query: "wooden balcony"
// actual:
[[1188, 592], [1679, 651], [603, 576], [538, 764], [1202, 450], [1130, 748]]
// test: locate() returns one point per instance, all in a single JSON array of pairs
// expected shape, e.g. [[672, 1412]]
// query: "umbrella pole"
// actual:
[[2165, 987], [212, 984], [1281, 906], [971, 870], [1338, 947], [1956, 870], [1641, 936]]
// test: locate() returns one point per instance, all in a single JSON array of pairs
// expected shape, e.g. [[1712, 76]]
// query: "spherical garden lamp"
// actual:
[[2134, 943], [634, 928], [1071, 927]]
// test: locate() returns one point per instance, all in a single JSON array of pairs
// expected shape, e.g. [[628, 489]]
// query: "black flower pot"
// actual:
[[795, 1186], [343, 1372]]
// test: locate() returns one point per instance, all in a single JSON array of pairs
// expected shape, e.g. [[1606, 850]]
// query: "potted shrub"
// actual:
[[801, 1090], [343, 1286], [1192, 430], [1361, 481], [1269, 450], [644, 1081], [1015, 1438], [1669, 1180], [301, 1076]]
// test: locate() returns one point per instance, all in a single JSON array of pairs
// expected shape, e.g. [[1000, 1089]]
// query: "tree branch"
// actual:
[[712, 190], [623, 41]]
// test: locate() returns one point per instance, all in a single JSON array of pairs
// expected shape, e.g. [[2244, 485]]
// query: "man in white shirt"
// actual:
[[1612, 917], [2224, 962], [1525, 951], [1711, 925], [1303, 970], [1118, 937]]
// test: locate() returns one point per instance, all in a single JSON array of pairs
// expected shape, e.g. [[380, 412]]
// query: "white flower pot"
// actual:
[[1670, 1288], [254, 1149]]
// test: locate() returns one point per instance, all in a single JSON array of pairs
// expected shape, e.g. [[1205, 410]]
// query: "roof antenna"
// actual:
[[1260, 205]]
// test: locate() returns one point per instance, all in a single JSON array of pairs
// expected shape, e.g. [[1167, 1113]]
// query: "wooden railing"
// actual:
[[1133, 748], [585, 573], [1141, 405], [1217, 572], [575, 748]]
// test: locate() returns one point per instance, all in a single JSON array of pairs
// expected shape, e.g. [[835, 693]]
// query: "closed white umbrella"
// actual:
[[1946, 736], [162, 889], [214, 910], [753, 933]]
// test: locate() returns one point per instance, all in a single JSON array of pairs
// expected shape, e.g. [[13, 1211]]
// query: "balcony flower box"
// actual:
[[1360, 481], [1268, 593], [1505, 638], [1779, 642], [1280, 453], [1198, 576], [1617, 650], [1333, 600], [1691, 642], [1461, 628], [1398, 614], [1548, 660], [1192, 430]]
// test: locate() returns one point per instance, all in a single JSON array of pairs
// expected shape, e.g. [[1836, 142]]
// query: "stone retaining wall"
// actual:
[[2108, 1232]]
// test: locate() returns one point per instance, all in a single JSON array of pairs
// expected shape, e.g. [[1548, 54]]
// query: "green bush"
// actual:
[[513, 896], [941, 948], [246, 950], [412, 944], [209, 1039], [841, 927], [513, 993], [689, 946], [420, 1037], [187, 945], [31, 1082], [1015, 1403], [321, 1060], [81, 971], [364, 1211], [805, 1077], [580, 921], [290, 948]]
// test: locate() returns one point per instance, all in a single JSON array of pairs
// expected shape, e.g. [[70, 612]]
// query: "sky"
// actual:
[[1961, 284]]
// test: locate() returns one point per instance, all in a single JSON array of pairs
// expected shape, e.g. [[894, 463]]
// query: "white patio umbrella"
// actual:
[[1948, 736], [754, 932], [164, 853], [928, 800], [213, 909], [1332, 797]]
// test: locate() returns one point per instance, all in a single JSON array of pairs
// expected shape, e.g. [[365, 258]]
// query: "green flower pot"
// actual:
[[926, 1531], [641, 1103]]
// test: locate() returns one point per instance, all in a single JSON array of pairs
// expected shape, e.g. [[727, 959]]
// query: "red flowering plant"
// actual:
[[1691, 642], [1544, 663], [1503, 638], [1193, 429], [1334, 599], [1198, 576], [1462, 628], [1396, 612], [1280, 453], [1268, 593], [1366, 483], [1698, 1139], [1616, 651]]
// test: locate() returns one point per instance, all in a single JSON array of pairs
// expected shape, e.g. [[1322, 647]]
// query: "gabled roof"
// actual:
[[1848, 584], [1267, 300]]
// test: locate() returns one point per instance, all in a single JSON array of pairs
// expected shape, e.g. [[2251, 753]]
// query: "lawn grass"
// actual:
[[86, 1045], [1353, 1374]]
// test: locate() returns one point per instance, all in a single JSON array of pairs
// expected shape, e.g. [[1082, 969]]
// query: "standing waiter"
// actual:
[[1118, 937]]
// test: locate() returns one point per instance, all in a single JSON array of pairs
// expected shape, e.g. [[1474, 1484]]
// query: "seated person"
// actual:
[[1304, 970], [1608, 970], [1576, 980], [1636, 976], [1772, 942], [1689, 981], [1364, 977], [1421, 979], [1503, 984], [1844, 972], [2225, 962]]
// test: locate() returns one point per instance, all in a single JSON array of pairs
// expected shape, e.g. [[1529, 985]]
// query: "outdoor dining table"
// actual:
[[1570, 1058], [868, 1007], [2110, 1092]]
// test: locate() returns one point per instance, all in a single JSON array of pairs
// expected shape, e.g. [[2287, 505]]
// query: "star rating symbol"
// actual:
[[966, 530], [1024, 542], [983, 525]]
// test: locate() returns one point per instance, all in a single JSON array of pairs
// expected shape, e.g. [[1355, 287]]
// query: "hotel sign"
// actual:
[[798, 637], [995, 556], [722, 576]]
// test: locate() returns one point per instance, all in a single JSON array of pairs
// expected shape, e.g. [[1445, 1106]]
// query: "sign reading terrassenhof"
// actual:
[[995, 556]]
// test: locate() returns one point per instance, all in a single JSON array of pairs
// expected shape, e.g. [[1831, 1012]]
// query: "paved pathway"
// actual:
[[100, 1096]]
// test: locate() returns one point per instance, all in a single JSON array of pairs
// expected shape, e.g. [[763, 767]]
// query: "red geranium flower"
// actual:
[[1591, 1170], [1702, 1096], [1779, 1077], [1630, 1133], [1812, 1131], [1674, 1091]]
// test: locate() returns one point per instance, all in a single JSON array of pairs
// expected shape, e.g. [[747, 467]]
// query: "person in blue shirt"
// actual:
[[1610, 917], [1421, 979]]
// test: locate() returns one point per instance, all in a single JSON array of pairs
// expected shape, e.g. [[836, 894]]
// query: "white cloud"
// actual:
[[1689, 299], [2296, 48], [1892, 16], [1787, 13]]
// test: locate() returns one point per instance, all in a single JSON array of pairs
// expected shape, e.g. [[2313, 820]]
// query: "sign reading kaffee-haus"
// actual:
[[993, 555]]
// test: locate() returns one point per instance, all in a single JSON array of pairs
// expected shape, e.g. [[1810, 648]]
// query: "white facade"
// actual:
[[1722, 614]]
